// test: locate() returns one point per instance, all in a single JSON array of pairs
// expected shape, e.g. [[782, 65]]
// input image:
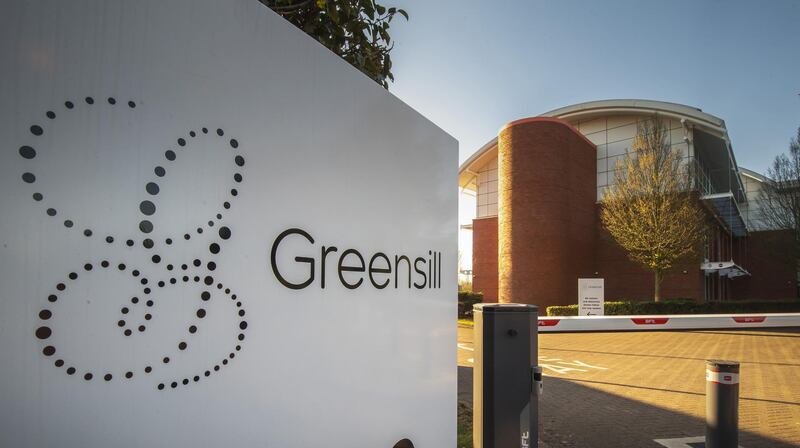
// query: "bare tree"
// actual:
[[780, 197], [650, 210]]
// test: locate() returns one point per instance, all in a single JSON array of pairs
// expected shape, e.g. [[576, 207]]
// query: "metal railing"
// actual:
[[700, 177]]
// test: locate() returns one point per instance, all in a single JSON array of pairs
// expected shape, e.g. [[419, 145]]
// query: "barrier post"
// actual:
[[506, 382], [722, 404]]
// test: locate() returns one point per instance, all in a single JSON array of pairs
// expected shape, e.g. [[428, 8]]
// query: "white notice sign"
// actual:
[[591, 296]]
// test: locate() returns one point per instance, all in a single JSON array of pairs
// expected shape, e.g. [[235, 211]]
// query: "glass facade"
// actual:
[[614, 136], [487, 190]]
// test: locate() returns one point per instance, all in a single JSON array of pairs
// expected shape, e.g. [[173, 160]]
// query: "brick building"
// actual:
[[537, 228]]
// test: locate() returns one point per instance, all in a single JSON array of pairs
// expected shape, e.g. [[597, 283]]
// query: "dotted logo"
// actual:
[[137, 311]]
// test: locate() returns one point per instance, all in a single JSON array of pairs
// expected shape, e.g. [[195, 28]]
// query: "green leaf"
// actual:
[[350, 28]]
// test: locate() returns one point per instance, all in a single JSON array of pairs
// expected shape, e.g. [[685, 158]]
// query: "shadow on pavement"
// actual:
[[749, 332], [573, 415], [661, 389]]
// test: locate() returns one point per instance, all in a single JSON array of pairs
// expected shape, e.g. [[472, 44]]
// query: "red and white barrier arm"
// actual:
[[666, 322]]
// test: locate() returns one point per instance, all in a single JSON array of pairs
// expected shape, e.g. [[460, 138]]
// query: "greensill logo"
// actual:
[[162, 263], [353, 269]]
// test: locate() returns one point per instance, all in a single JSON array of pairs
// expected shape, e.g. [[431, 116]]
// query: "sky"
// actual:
[[471, 66]]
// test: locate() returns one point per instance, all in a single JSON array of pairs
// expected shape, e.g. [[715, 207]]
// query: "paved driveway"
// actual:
[[627, 389]]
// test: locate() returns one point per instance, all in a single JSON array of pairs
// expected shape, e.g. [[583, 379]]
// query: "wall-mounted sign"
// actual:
[[591, 297], [215, 232]]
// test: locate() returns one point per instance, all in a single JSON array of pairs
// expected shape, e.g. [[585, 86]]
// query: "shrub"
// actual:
[[684, 306], [464, 426], [465, 301]]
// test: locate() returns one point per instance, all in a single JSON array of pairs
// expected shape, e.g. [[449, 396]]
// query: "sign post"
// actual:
[[506, 383], [591, 296]]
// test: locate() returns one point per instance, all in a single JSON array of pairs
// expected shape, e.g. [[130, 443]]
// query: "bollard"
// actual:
[[506, 383], [722, 404]]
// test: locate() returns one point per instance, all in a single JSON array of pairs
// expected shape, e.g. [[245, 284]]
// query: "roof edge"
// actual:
[[477, 154], [757, 176], [637, 105], [612, 105]]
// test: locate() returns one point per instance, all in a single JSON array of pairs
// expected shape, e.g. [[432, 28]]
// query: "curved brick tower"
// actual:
[[546, 211]]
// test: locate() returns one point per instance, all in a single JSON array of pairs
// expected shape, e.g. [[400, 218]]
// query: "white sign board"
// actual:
[[591, 297], [215, 232]]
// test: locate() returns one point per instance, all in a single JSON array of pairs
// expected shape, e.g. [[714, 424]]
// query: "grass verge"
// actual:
[[464, 439]]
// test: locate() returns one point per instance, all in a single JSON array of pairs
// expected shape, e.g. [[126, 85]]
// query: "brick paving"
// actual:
[[626, 389]]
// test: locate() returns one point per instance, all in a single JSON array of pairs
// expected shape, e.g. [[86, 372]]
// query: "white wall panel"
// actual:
[[620, 147], [592, 126], [602, 151], [231, 90], [598, 138], [602, 165], [676, 136], [615, 121], [622, 133]]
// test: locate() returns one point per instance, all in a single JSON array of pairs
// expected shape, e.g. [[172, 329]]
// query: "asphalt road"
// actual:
[[630, 388]]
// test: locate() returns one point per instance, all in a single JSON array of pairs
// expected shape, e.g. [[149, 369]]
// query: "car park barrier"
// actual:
[[666, 322]]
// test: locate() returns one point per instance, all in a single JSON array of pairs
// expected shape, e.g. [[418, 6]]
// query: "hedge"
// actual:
[[688, 306], [465, 301]]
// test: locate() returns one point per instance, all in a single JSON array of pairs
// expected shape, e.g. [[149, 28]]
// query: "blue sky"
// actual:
[[471, 66]]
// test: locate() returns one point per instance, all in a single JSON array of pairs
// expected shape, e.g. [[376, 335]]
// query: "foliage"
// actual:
[[356, 30], [780, 197], [464, 425], [465, 301], [683, 306], [649, 210]]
